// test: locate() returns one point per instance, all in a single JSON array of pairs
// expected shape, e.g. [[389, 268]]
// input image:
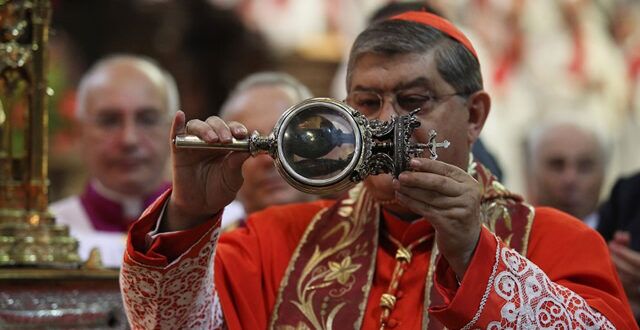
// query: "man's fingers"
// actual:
[[434, 213], [233, 177], [431, 181], [438, 167], [434, 198], [628, 255], [220, 128], [213, 129], [238, 130], [622, 238], [202, 130], [178, 126], [414, 205], [625, 270]]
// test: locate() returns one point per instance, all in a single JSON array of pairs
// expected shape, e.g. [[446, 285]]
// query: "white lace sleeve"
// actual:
[[179, 296], [530, 300]]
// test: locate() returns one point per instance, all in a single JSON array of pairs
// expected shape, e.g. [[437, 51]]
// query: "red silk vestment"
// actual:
[[565, 279]]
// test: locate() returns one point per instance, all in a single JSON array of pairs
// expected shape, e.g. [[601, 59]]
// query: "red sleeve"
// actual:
[[166, 247], [458, 298], [567, 280]]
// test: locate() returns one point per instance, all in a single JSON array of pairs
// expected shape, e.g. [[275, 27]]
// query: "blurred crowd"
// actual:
[[539, 59]]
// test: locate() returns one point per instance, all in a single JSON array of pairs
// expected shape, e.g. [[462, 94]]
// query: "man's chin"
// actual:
[[131, 187], [283, 197], [381, 187]]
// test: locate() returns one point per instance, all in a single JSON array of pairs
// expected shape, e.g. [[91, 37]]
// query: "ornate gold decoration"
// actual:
[[388, 301], [429, 284], [28, 235], [95, 260], [345, 211], [314, 271], [403, 254], [403, 258], [341, 271], [527, 231], [322, 271], [494, 211], [41, 284], [497, 206], [299, 326]]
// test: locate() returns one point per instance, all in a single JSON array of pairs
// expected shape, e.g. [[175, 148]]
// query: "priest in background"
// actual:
[[258, 101], [124, 106], [566, 161]]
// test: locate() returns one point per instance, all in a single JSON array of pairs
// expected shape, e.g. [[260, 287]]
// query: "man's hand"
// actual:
[[450, 199], [627, 262], [204, 181]]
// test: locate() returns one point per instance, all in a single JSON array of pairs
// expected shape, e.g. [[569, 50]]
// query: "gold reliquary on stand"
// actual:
[[43, 283]]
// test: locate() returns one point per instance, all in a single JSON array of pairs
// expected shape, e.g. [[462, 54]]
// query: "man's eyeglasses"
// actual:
[[370, 103], [109, 120]]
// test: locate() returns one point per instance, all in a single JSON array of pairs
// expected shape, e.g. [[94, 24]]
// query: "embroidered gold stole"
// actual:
[[333, 265]]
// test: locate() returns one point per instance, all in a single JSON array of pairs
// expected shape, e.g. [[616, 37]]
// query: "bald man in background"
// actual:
[[124, 108], [566, 168], [258, 101]]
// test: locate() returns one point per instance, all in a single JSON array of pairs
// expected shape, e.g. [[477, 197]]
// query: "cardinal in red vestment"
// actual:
[[443, 245]]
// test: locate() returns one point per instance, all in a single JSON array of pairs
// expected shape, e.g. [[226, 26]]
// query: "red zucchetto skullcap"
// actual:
[[439, 24]]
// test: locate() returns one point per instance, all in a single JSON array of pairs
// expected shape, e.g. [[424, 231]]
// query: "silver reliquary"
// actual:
[[323, 146]]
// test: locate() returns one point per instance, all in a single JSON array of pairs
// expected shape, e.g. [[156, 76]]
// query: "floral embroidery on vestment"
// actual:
[[179, 296]]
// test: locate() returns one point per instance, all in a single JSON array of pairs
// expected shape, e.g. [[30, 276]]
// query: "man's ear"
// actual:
[[479, 106]]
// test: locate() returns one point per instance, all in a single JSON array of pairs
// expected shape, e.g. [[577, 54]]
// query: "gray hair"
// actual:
[[298, 91], [535, 135], [455, 63], [145, 64]]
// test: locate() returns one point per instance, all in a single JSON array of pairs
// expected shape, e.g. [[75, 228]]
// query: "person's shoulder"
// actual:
[[633, 180], [553, 223], [70, 211], [558, 240], [67, 209], [552, 217], [65, 203], [628, 185]]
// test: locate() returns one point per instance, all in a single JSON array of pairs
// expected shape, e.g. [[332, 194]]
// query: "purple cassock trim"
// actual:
[[108, 215]]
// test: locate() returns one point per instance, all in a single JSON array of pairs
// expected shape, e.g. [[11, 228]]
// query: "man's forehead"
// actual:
[[395, 72], [140, 109], [125, 78], [122, 101], [568, 144], [258, 100], [418, 82], [124, 82], [129, 91]]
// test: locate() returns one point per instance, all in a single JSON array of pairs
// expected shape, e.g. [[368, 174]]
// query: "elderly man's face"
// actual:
[[567, 171], [126, 130], [259, 108], [407, 78]]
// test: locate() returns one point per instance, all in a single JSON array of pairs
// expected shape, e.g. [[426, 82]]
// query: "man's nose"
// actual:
[[129, 133], [570, 175], [387, 111]]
